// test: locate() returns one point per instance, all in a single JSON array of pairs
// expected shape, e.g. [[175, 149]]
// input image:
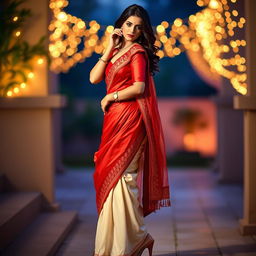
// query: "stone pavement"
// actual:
[[203, 218]]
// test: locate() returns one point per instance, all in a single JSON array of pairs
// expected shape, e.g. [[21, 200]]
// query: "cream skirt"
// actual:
[[121, 228]]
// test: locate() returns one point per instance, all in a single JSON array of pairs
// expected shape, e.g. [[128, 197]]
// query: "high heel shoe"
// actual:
[[148, 243]]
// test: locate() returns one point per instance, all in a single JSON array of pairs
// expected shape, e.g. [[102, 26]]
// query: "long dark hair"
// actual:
[[147, 37]]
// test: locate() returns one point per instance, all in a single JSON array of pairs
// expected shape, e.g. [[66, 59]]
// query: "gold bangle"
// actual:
[[103, 60]]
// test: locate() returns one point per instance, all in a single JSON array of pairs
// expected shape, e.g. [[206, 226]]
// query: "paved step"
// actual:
[[44, 235], [203, 219], [18, 209]]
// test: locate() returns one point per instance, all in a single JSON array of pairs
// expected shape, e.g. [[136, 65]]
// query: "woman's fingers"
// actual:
[[115, 34], [103, 107], [118, 31]]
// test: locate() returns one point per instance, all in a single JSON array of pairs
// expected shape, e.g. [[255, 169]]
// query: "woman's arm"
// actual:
[[138, 69], [130, 92], [97, 72]]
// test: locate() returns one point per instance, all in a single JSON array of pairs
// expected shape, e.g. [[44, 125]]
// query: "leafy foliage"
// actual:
[[15, 54]]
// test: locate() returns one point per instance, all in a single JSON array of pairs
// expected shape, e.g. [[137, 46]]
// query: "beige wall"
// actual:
[[26, 149], [29, 122], [205, 139]]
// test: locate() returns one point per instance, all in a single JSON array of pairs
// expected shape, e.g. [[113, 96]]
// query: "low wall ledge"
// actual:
[[49, 101]]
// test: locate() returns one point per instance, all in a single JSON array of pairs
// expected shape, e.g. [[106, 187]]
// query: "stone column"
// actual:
[[229, 161], [247, 103]]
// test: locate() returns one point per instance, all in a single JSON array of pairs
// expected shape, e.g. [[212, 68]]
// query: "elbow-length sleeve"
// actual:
[[138, 67]]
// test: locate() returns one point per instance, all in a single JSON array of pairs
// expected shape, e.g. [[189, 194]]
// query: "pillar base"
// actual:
[[246, 228]]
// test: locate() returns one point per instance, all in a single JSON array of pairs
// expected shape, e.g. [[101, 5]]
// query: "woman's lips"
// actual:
[[130, 35]]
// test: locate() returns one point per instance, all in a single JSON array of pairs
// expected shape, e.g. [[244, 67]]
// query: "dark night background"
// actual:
[[176, 77]]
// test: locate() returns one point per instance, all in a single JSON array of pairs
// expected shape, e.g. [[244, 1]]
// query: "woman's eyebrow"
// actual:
[[132, 23]]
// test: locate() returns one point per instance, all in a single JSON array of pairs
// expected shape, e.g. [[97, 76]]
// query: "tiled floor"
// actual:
[[203, 218]]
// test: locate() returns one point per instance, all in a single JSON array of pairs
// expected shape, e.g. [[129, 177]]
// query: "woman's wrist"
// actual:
[[105, 56], [102, 59], [112, 96]]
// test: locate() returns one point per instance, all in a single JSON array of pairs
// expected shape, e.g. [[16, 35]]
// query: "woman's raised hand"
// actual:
[[114, 37]]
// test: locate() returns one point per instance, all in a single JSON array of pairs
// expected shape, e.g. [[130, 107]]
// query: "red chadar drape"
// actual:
[[125, 125]]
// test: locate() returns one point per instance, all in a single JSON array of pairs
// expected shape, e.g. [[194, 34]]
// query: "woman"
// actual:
[[130, 177]]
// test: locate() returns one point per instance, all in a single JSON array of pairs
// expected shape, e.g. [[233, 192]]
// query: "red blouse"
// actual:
[[127, 75]]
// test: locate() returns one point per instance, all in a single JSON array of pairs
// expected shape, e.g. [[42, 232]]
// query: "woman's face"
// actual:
[[132, 28]]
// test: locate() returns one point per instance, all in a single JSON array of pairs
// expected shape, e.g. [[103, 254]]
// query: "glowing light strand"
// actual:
[[202, 31]]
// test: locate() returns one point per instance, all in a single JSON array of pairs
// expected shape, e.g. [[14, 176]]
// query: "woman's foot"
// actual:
[[147, 243]]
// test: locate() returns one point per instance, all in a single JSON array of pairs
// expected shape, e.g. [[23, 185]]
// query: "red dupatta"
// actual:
[[153, 175]]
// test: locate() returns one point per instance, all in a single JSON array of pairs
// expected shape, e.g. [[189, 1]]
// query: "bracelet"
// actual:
[[105, 61]]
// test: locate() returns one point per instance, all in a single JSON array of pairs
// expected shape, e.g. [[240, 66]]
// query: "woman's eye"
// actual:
[[138, 27]]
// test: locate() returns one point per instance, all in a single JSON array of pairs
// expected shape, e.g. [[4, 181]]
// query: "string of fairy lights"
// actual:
[[16, 90], [203, 31], [30, 75], [210, 31]]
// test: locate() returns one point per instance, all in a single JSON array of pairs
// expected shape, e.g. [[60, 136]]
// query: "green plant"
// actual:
[[16, 55]]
